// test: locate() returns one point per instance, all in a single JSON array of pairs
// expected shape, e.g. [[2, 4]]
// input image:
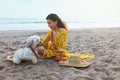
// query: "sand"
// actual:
[[103, 43]]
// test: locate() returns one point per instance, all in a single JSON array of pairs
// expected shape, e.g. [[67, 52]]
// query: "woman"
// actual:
[[55, 40]]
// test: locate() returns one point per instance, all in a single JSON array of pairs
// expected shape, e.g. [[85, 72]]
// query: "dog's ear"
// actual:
[[33, 44], [29, 43]]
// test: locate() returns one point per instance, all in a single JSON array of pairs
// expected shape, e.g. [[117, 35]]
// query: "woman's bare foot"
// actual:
[[10, 55], [60, 62]]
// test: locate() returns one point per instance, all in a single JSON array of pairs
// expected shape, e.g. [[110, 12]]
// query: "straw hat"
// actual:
[[75, 61]]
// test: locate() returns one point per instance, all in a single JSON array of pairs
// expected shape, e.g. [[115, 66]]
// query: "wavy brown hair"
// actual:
[[55, 17]]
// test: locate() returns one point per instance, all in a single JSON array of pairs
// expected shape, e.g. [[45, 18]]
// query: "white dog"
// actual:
[[29, 52]]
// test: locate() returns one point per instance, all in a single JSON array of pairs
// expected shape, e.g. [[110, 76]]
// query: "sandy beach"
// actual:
[[103, 43]]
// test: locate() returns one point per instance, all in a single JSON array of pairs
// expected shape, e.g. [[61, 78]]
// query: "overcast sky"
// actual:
[[75, 10]]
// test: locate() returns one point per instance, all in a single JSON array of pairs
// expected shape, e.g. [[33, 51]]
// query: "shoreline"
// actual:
[[68, 29]]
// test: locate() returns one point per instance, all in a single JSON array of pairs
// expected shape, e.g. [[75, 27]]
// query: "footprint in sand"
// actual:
[[116, 69], [2, 43], [1, 77], [2, 52], [1, 68], [9, 48], [17, 42], [83, 78]]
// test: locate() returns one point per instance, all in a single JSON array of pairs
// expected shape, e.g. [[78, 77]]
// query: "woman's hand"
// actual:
[[41, 38]]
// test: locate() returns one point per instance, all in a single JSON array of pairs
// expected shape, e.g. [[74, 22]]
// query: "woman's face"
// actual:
[[52, 24]]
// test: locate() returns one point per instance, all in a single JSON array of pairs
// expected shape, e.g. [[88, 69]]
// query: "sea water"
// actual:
[[41, 24]]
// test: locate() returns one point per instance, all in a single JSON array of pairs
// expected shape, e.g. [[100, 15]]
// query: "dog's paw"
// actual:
[[34, 61]]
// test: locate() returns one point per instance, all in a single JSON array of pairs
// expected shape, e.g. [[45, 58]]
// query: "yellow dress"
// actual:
[[53, 47]]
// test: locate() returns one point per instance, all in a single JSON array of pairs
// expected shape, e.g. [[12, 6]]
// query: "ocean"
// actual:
[[40, 24]]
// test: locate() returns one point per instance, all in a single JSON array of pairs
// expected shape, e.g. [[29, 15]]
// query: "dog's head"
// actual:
[[33, 41]]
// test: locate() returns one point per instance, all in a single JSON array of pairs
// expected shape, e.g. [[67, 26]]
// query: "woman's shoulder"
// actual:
[[63, 30], [49, 31]]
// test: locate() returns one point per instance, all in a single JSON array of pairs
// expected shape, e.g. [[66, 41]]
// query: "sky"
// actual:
[[71, 10]]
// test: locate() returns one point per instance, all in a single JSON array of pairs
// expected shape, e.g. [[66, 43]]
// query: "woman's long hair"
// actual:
[[60, 23]]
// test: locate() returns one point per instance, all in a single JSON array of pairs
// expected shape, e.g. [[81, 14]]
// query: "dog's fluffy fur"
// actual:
[[26, 53]]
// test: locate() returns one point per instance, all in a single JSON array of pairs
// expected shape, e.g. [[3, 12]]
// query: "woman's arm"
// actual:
[[62, 42], [44, 41]]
